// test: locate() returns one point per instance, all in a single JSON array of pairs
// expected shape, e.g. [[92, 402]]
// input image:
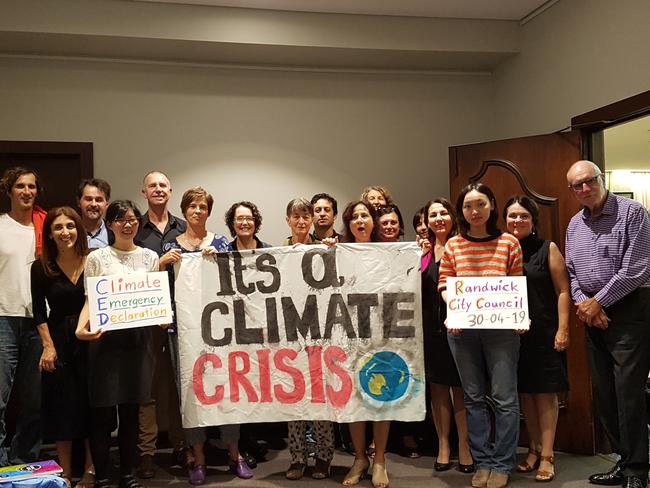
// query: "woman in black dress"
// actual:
[[57, 277], [440, 367], [120, 362], [542, 371]]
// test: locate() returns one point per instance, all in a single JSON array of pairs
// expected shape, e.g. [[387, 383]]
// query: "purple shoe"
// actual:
[[240, 468], [197, 474]]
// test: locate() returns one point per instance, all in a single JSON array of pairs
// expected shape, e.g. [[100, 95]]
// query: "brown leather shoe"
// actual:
[[146, 469]]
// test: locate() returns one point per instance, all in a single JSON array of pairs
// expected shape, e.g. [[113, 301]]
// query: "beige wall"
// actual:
[[269, 135], [266, 136], [576, 56]]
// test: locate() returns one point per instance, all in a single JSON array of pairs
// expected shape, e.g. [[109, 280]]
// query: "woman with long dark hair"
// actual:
[[440, 367], [57, 281], [359, 226], [120, 362], [481, 249]]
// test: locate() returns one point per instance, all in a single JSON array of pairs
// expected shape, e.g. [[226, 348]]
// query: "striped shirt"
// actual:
[[608, 256], [489, 256]]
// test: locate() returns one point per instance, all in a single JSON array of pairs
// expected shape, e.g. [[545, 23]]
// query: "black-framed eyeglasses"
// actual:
[[589, 182], [123, 222]]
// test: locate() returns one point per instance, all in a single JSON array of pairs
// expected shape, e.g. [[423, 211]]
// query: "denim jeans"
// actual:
[[20, 352], [489, 357]]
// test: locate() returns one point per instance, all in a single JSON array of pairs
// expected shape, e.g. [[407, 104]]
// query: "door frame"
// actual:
[[82, 150], [591, 124]]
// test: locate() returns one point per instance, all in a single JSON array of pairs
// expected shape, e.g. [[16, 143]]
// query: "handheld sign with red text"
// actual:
[[127, 301], [497, 302], [301, 332]]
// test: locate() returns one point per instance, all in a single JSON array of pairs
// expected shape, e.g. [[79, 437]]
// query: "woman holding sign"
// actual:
[[440, 367], [359, 218], [57, 281], [542, 361], [390, 225], [120, 362], [482, 249], [196, 205]]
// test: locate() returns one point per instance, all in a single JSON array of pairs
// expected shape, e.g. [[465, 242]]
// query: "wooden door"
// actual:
[[60, 166], [536, 166]]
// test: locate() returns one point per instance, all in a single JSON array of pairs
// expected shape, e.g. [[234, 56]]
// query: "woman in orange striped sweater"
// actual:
[[483, 356]]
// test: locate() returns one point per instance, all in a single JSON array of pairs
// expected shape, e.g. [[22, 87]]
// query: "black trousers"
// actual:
[[620, 359], [102, 423]]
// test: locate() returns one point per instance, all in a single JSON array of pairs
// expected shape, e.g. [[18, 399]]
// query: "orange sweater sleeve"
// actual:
[[515, 257]]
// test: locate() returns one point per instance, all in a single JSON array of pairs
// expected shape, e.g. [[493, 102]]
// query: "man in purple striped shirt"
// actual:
[[608, 258]]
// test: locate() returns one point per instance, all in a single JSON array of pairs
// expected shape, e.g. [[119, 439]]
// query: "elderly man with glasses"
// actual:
[[608, 258]]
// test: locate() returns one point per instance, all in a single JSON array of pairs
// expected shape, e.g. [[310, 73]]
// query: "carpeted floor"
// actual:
[[572, 472]]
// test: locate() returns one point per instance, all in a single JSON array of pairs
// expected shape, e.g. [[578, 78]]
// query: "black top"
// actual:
[[439, 364], [334, 235], [541, 368], [150, 237], [542, 300], [64, 297], [64, 390], [232, 245]]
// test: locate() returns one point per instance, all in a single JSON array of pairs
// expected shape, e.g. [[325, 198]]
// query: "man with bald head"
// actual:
[[608, 258], [158, 227]]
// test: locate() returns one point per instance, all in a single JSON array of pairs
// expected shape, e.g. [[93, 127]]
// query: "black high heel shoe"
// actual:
[[466, 468], [441, 466]]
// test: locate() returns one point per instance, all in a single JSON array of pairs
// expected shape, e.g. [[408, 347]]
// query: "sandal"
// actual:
[[543, 474], [379, 475], [524, 467], [87, 480], [358, 471]]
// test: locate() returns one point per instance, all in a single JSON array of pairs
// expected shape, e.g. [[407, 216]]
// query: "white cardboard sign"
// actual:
[[124, 301], [496, 302]]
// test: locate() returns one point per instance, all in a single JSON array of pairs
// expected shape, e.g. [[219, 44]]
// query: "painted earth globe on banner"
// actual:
[[385, 376]]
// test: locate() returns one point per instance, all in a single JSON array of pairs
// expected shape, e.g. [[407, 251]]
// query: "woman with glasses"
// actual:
[[244, 221], [120, 362]]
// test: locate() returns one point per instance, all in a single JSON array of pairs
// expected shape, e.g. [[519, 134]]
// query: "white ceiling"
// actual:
[[460, 9]]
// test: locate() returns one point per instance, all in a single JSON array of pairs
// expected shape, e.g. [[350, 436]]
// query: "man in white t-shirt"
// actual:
[[20, 345]]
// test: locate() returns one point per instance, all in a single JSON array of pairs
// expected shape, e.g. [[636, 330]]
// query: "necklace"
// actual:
[[194, 243]]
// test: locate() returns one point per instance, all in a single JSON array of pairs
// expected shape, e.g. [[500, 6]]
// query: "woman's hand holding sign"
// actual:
[[170, 257], [83, 326]]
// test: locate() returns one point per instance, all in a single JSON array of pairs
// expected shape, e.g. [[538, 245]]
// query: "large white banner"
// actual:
[[301, 333]]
